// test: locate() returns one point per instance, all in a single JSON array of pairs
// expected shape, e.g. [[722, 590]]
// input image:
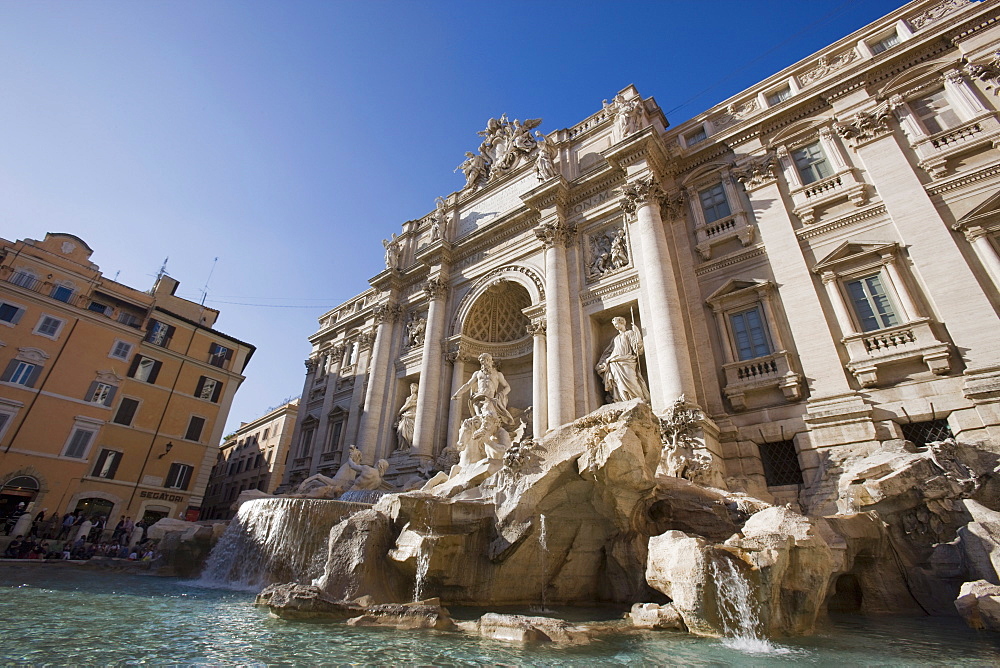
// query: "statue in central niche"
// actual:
[[619, 365], [482, 435], [406, 421]]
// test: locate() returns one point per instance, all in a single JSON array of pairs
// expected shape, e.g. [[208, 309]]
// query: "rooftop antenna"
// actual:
[[163, 269], [204, 290]]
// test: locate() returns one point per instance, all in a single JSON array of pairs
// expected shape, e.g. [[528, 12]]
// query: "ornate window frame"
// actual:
[[774, 370], [737, 225], [979, 127], [808, 199], [912, 338], [981, 228]]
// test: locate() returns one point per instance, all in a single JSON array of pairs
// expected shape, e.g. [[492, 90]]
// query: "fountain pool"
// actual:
[[60, 614]]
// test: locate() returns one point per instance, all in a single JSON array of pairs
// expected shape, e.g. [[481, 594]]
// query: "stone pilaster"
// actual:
[[666, 345], [987, 254], [370, 429], [429, 395], [555, 234], [540, 403], [814, 341], [957, 298]]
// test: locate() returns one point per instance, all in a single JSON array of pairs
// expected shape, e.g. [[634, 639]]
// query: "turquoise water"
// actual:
[[57, 615]]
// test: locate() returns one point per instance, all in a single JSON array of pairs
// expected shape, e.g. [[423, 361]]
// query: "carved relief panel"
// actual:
[[607, 251]]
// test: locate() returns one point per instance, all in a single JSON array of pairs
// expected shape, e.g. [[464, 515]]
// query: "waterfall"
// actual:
[[423, 565], [738, 609], [543, 545], [275, 540]]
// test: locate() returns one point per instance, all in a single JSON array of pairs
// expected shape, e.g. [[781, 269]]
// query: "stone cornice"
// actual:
[[965, 179], [642, 145], [554, 193], [729, 260], [856, 217]]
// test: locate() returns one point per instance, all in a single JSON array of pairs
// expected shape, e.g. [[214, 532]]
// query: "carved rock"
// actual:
[[979, 604], [421, 615], [298, 601], [356, 560], [654, 616]]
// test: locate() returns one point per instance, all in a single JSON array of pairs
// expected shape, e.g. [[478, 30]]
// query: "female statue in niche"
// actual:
[[619, 365], [406, 421]]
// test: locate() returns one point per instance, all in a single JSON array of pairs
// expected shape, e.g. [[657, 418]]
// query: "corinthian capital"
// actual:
[[536, 327], [642, 191], [435, 288], [554, 234], [756, 172], [388, 312], [865, 126]]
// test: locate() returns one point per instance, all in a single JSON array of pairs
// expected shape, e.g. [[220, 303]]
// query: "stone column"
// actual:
[[379, 365], [429, 394], [561, 407], [665, 342], [336, 357], [902, 291], [979, 238], [539, 399]]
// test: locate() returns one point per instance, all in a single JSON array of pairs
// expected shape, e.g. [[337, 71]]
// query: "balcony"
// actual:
[[761, 373], [892, 345], [934, 151], [718, 231], [842, 186]]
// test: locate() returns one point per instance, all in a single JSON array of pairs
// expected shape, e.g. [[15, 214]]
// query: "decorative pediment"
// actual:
[[917, 76], [853, 250], [32, 355], [310, 420], [988, 211], [796, 130], [703, 171], [109, 377], [736, 289]]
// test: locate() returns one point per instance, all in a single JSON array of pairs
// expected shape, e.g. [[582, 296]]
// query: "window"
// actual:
[[107, 464], [336, 430], [49, 326], [714, 203], [20, 372], [922, 433], [4, 421], [871, 303], [749, 334], [10, 314], [78, 443], [101, 393], [812, 163], [23, 278], [218, 355], [179, 476], [305, 448], [695, 137], [126, 411], [194, 428], [781, 463], [98, 307], [145, 369], [159, 333], [779, 96], [208, 389], [129, 319], [885, 43], [62, 293], [121, 350], [935, 113]]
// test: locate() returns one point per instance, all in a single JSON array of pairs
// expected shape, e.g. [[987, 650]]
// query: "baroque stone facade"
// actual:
[[812, 265]]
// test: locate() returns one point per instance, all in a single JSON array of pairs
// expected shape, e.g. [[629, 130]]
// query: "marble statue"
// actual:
[[545, 160], [482, 435], [391, 252], [619, 365], [406, 420], [627, 113], [369, 477], [474, 168], [415, 329], [439, 219], [619, 254]]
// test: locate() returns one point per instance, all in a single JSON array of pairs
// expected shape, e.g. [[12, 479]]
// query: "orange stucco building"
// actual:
[[112, 400]]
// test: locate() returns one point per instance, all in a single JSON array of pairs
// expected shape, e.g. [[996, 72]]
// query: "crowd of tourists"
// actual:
[[77, 536]]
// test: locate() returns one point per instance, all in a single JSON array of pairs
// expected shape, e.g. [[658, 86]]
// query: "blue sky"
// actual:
[[288, 138]]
